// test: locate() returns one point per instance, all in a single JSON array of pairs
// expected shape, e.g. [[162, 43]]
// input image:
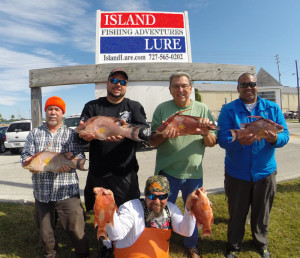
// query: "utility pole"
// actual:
[[298, 89], [279, 74]]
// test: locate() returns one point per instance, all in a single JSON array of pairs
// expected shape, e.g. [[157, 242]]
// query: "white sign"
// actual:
[[125, 37]]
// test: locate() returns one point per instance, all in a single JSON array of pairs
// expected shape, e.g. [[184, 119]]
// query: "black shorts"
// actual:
[[125, 188]]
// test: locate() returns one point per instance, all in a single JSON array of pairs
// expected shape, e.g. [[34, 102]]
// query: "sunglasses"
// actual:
[[246, 84], [115, 81], [160, 197]]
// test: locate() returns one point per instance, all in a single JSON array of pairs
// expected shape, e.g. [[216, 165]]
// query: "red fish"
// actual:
[[52, 162], [104, 209], [258, 128], [103, 127], [186, 125], [202, 210]]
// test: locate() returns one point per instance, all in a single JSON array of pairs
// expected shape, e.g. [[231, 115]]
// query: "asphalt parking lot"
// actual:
[[15, 182]]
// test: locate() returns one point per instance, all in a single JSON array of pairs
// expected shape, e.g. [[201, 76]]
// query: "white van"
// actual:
[[73, 122], [16, 135]]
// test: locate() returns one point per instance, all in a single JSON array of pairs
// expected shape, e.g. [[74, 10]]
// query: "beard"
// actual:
[[117, 97], [154, 213], [52, 122]]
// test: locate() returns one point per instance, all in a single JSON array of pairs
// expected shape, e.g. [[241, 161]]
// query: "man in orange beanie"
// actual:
[[57, 194], [56, 101]]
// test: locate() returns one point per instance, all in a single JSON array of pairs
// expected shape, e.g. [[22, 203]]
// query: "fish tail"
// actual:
[[234, 133], [80, 164], [134, 135]]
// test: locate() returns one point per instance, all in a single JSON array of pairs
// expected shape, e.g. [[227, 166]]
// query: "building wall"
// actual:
[[215, 100], [289, 102]]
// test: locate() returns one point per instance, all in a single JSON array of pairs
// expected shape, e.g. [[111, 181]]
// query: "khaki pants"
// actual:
[[71, 215]]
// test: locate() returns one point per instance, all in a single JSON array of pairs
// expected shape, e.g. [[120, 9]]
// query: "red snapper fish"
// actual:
[[104, 126], [185, 125], [45, 161], [202, 210], [104, 209], [258, 128]]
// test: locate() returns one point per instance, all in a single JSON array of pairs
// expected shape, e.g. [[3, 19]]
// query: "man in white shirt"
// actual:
[[143, 226]]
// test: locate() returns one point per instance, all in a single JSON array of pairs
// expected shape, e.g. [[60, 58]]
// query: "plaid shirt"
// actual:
[[48, 186]]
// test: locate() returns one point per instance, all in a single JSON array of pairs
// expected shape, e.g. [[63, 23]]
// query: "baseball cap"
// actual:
[[118, 70]]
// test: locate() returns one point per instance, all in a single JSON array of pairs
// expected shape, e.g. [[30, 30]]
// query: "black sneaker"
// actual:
[[106, 252], [231, 254], [265, 253]]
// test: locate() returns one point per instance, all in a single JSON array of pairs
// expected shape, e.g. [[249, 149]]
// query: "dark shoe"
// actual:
[[231, 254], [193, 253], [106, 252], [265, 253]]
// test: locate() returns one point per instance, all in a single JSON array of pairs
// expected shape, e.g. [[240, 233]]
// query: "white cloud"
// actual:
[[47, 22], [9, 100], [15, 66]]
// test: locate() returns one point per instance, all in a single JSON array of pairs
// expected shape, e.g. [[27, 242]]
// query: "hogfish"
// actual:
[[258, 128], [202, 210], [104, 209], [45, 161], [186, 125], [104, 126]]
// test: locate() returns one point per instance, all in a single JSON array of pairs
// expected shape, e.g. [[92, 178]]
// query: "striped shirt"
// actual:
[[48, 186]]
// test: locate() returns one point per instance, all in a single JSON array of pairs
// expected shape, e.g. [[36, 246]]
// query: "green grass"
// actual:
[[19, 235]]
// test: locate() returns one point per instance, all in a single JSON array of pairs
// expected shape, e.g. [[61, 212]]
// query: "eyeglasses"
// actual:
[[177, 87], [160, 197], [246, 84], [115, 81]]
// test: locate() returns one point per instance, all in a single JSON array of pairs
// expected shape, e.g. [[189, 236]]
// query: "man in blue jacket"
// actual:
[[250, 166]]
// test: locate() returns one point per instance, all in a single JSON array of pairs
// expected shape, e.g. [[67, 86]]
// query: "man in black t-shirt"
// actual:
[[112, 163]]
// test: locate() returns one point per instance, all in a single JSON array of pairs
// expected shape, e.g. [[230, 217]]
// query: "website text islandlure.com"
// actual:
[[151, 57]]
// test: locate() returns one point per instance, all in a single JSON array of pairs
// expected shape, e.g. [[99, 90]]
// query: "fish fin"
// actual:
[[257, 117], [206, 233], [181, 111]]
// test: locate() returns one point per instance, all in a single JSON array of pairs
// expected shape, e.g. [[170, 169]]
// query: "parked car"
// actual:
[[16, 135], [291, 114], [3, 130], [73, 122]]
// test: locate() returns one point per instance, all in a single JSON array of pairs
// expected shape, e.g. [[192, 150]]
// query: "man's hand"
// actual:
[[170, 132], [117, 138], [190, 200], [248, 139], [65, 168], [86, 136], [272, 137], [97, 190], [203, 123]]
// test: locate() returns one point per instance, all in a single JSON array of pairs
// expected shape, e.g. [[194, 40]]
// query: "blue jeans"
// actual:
[[186, 186]]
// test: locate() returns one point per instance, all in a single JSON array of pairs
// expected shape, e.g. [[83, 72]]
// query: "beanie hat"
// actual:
[[157, 184], [56, 101]]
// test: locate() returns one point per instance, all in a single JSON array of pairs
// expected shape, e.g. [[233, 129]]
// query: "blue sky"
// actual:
[[37, 34]]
